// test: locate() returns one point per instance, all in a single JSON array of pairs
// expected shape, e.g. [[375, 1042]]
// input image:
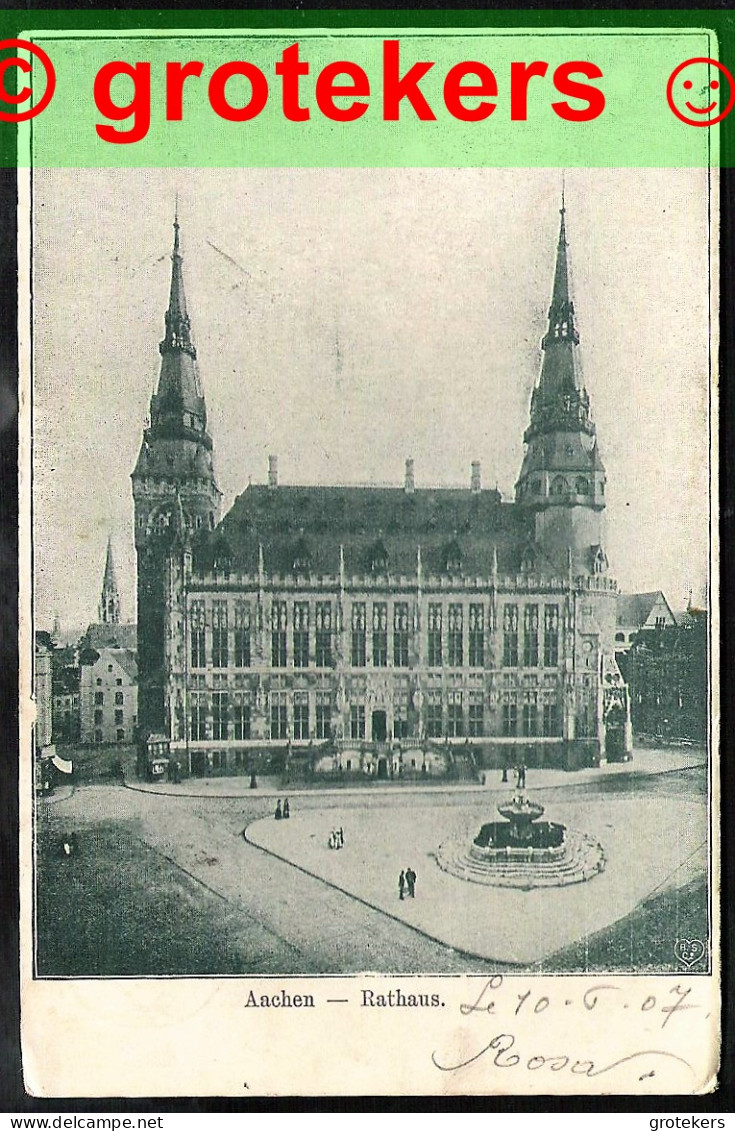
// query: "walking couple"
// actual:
[[407, 880]]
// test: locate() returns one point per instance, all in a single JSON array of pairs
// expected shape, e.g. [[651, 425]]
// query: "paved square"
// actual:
[[649, 843]]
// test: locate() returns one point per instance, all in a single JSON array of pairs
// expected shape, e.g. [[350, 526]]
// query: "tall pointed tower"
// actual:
[[563, 478], [174, 484], [109, 606]]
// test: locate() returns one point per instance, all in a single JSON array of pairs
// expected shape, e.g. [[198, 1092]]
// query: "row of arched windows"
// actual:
[[560, 485]]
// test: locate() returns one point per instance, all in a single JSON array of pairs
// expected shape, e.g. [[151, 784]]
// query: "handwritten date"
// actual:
[[600, 995]]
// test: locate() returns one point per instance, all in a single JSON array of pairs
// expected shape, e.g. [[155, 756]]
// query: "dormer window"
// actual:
[[452, 557], [599, 560], [222, 558], [302, 557], [528, 560], [583, 485], [559, 485], [378, 558]]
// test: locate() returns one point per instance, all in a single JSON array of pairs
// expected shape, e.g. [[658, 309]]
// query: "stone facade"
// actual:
[[378, 631], [108, 696]]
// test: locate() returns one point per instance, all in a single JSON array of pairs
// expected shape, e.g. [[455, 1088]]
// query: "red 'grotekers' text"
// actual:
[[342, 91]]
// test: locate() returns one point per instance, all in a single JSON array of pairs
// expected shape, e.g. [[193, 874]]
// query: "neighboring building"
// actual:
[[109, 632], [667, 674], [639, 611], [108, 695], [66, 716], [378, 630], [43, 692]]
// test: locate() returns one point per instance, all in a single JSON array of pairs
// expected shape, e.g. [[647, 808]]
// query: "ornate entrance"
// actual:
[[379, 728]]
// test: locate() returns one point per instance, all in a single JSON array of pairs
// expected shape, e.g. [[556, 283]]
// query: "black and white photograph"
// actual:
[[372, 571]]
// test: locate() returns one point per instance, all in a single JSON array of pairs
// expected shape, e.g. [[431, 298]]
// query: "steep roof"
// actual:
[[110, 636], [127, 660], [369, 523], [635, 608], [124, 657]]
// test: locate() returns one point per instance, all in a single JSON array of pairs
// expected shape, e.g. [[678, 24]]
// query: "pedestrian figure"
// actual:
[[504, 778], [522, 776], [401, 884], [253, 782], [177, 769], [341, 835], [286, 810], [332, 840], [411, 881], [279, 814]]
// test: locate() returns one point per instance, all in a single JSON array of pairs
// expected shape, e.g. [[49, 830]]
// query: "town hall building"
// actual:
[[371, 630]]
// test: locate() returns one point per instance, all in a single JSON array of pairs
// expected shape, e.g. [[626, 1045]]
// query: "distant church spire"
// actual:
[[109, 608]]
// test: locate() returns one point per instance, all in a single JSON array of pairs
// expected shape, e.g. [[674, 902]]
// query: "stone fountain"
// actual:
[[523, 851]]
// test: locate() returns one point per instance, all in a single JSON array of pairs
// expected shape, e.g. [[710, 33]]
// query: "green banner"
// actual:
[[381, 96]]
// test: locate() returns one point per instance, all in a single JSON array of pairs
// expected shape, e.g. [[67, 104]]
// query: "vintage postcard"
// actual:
[[372, 515]]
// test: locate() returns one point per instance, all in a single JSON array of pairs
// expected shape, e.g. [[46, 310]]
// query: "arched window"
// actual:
[[559, 485], [620, 638], [583, 485]]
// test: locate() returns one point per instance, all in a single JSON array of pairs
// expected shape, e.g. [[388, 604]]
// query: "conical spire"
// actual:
[[178, 328], [110, 581], [178, 406], [561, 313], [110, 599], [560, 399]]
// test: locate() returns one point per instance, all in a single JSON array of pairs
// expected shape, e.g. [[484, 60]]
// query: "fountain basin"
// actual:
[[502, 834], [523, 851]]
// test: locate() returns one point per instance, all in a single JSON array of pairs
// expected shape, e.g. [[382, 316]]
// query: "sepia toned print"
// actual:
[[372, 629]]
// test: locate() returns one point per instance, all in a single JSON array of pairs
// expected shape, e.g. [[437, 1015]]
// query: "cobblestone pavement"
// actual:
[[296, 922]]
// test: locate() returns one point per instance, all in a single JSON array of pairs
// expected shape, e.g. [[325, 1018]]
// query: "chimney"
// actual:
[[272, 471], [476, 478], [409, 486]]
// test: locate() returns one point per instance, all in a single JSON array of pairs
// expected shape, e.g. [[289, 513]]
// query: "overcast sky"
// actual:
[[347, 319]]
